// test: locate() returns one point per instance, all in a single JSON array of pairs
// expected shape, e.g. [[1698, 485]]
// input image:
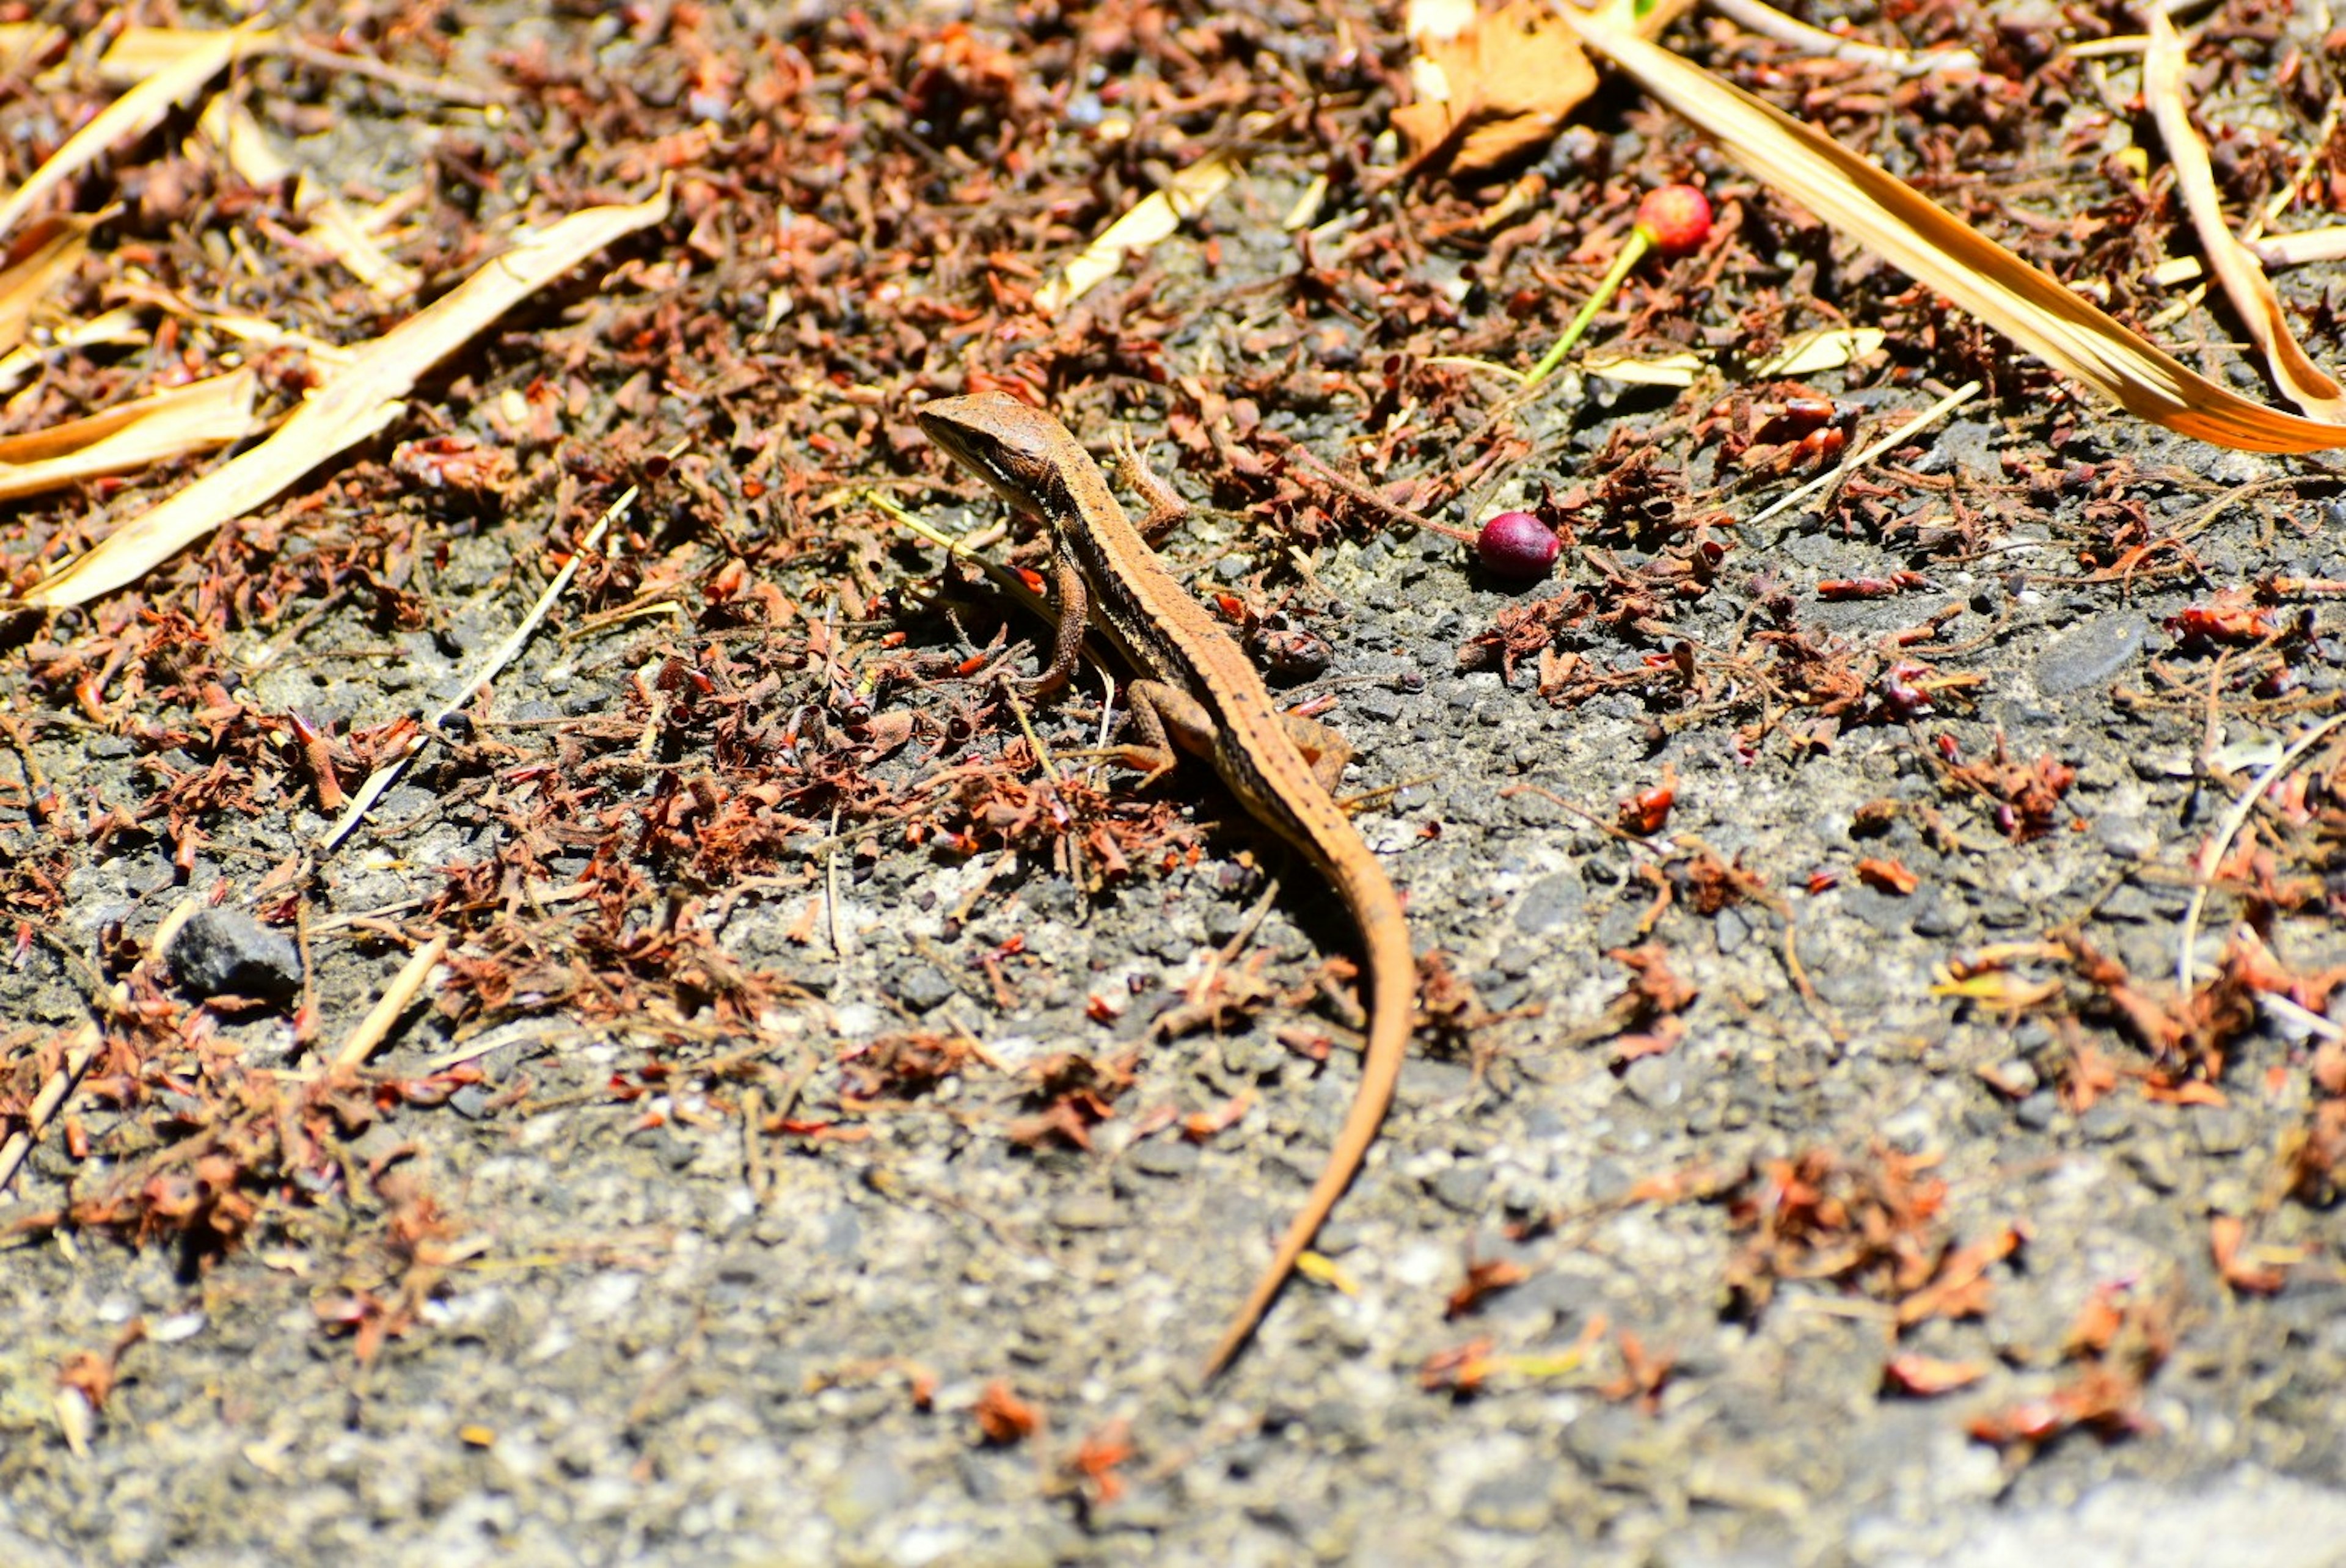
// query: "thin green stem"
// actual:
[[1641, 242]]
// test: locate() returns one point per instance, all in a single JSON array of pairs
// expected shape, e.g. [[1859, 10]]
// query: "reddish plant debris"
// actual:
[[1875, 1228], [2227, 1236], [1928, 1377], [1003, 1418], [1071, 1094], [2085, 1075], [2232, 617], [1874, 819], [1644, 1374], [365, 1316], [1707, 884], [1223, 998], [1876, 587], [1093, 1467], [1461, 1371], [2191, 1035], [1201, 1126], [1649, 811], [1484, 1278], [2120, 1339], [2025, 798], [899, 1066], [1777, 429], [92, 1374], [1887, 877]]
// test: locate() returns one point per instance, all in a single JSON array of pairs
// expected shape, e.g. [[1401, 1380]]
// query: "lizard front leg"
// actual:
[[1075, 603], [1166, 506]]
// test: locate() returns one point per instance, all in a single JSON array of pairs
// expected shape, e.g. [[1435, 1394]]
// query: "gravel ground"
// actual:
[[644, 1331]]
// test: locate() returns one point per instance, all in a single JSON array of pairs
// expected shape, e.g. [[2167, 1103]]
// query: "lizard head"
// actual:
[[1018, 450]]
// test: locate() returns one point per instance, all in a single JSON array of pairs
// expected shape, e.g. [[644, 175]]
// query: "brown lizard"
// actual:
[[1198, 691]]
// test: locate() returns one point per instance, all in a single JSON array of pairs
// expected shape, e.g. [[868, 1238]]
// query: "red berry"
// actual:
[[1516, 545], [1676, 217]]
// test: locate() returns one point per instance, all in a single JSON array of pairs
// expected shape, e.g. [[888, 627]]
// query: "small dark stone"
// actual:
[[2225, 1130], [2153, 1163], [1655, 1082], [924, 989], [2104, 1123], [226, 952], [1885, 913], [1549, 902], [1164, 1156], [2035, 1112], [1461, 1187], [1935, 918], [2089, 654], [1515, 1504], [1731, 930]]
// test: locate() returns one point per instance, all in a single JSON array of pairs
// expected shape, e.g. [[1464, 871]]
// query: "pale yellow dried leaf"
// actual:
[[193, 59], [23, 45], [335, 227], [1806, 354], [357, 402], [326, 359], [1826, 349], [246, 145], [137, 54], [197, 417], [1436, 21], [1152, 220], [109, 327], [2235, 265], [2066, 331], [1322, 1270], [1666, 371], [2298, 250], [1998, 990], [37, 264], [1308, 206]]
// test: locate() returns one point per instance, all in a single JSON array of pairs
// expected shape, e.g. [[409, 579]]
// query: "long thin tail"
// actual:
[[1392, 1009]]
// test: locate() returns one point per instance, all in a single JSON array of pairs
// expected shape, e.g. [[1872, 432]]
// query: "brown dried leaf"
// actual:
[[1510, 77]]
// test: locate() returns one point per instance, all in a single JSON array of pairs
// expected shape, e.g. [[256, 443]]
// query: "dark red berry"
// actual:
[[1676, 217], [1516, 545]]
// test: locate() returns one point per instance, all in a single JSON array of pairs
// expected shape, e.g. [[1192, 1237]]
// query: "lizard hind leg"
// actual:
[[1164, 717], [1328, 752]]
